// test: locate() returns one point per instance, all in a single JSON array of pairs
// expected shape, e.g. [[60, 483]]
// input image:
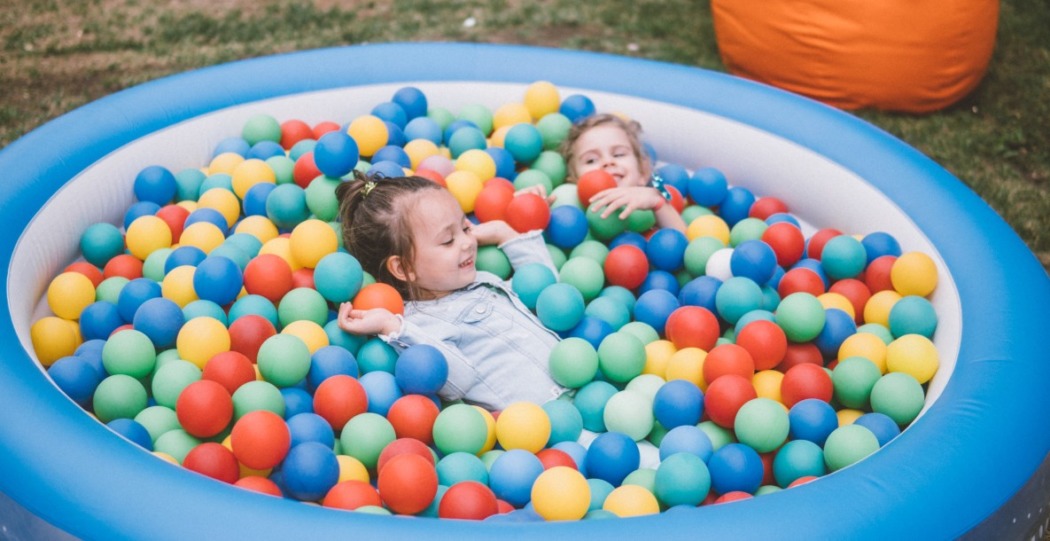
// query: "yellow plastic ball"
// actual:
[[490, 426], [147, 234], [837, 301], [631, 501], [477, 161], [419, 150], [657, 356], [312, 334], [311, 240], [561, 493], [281, 247], [226, 163], [767, 384], [867, 345], [202, 338], [69, 294], [914, 273], [204, 235], [499, 135], [541, 99], [177, 285], [54, 338], [877, 309], [249, 173], [370, 134], [847, 416], [224, 201], [523, 425], [352, 469], [259, 227], [708, 225], [188, 205], [687, 364], [165, 456], [915, 355], [465, 187], [510, 114]]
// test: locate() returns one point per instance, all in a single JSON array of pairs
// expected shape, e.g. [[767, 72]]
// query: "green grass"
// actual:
[[57, 55]]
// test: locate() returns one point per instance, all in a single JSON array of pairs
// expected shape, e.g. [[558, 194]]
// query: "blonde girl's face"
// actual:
[[608, 147], [445, 247]]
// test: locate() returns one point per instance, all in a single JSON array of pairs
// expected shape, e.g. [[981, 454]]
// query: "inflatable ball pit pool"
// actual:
[[962, 462]]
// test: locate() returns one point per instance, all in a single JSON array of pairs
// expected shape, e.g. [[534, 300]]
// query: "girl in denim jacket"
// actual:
[[412, 234]]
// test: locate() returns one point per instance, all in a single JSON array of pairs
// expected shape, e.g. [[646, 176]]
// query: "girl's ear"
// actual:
[[396, 269]]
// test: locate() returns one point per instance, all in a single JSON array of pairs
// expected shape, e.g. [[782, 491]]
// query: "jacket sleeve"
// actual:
[[528, 248]]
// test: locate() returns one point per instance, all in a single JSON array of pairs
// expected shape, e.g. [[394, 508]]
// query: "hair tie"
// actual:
[[369, 186]]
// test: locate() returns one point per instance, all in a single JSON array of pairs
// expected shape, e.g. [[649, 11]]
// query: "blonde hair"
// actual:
[[376, 222], [630, 127]]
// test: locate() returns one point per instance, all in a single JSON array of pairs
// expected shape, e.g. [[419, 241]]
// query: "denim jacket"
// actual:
[[497, 350]]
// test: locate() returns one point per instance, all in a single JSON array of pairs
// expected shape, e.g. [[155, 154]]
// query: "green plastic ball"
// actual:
[[261, 127], [119, 396], [573, 362], [878, 330], [551, 163], [629, 412], [178, 443], [621, 356], [718, 435], [642, 331], [591, 249], [479, 114], [153, 267], [533, 177], [693, 212], [157, 420], [762, 424], [171, 378], [320, 198], [129, 352], [747, 229], [460, 427], [302, 303], [609, 310], [557, 256], [737, 296], [843, 257], [847, 445], [443, 117], [566, 194], [492, 259], [365, 435], [698, 251], [682, 479], [899, 396], [284, 360], [554, 128], [585, 274], [109, 289], [283, 168], [257, 395], [853, 379], [801, 316], [642, 477], [641, 221], [604, 229]]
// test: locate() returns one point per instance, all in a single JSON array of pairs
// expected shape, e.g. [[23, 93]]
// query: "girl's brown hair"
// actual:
[[631, 127], [376, 215]]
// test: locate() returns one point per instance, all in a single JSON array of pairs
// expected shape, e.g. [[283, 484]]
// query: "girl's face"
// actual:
[[445, 248], [607, 147]]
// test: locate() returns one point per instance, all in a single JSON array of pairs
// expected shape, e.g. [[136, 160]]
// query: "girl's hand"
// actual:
[[539, 190], [493, 232], [365, 322], [628, 198]]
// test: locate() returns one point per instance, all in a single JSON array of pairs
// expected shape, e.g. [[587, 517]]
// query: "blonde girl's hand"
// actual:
[[366, 322], [627, 199], [537, 189]]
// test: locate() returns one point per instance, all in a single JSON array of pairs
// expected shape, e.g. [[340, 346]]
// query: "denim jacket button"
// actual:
[[480, 309]]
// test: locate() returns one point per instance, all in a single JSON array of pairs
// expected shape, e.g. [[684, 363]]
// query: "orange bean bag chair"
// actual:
[[913, 56]]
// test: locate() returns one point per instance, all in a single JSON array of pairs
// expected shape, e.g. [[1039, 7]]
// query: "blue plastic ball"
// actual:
[[133, 294], [560, 306], [395, 135], [139, 209], [735, 467], [880, 424], [567, 227], [218, 279], [708, 187], [208, 215], [666, 249], [576, 107], [686, 439], [412, 100], [296, 400], [566, 421], [778, 217], [576, 451], [591, 329], [264, 150], [700, 291], [798, 458], [309, 471], [234, 145], [391, 112], [424, 128], [505, 166], [386, 169], [160, 319], [336, 153], [254, 203], [838, 326], [678, 402], [878, 244], [610, 310], [77, 377], [675, 175], [660, 279], [421, 369], [629, 237], [612, 456], [753, 259], [392, 153], [155, 183], [381, 389], [309, 426], [815, 266], [530, 280], [330, 361], [654, 307], [524, 142], [133, 431], [512, 475], [736, 205], [813, 420], [99, 319]]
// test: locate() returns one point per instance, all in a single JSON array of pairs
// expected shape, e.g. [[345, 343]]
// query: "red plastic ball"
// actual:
[[204, 408], [733, 496], [248, 332], [802, 480], [626, 266], [403, 446], [87, 269], [803, 353], [338, 399], [305, 170], [413, 416], [767, 468], [528, 212], [800, 280], [175, 216], [213, 460], [787, 242], [726, 359], [260, 439], [231, 369], [503, 506], [324, 127], [804, 381], [379, 295], [725, 396], [856, 292], [352, 494], [764, 207], [294, 130], [408, 484], [259, 484], [468, 500], [555, 457], [692, 326], [433, 176], [819, 239], [877, 275], [268, 275], [303, 277], [125, 265], [591, 183], [677, 201], [492, 202], [765, 341]]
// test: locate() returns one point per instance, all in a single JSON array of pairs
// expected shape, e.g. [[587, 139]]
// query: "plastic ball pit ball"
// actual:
[[365, 414]]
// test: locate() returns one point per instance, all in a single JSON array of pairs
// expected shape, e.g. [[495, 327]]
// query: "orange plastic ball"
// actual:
[[379, 295], [408, 484], [260, 439]]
